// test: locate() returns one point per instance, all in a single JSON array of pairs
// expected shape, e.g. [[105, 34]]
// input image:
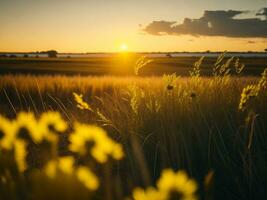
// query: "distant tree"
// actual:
[[26, 56], [52, 53], [169, 55], [265, 49]]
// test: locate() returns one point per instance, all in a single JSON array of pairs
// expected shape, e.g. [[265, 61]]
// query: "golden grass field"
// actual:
[[151, 137]]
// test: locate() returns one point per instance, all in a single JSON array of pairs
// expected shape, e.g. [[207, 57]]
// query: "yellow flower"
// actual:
[[51, 168], [64, 164], [7, 128], [102, 145], [20, 154], [170, 186], [28, 121], [78, 139], [81, 103], [117, 151], [88, 178], [37, 129], [54, 120], [171, 182], [105, 147], [149, 194]]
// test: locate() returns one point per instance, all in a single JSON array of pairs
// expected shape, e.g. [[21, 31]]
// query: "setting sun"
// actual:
[[124, 47]]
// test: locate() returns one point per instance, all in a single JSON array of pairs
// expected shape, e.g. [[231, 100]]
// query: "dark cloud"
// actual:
[[262, 12], [213, 23], [251, 42], [156, 27]]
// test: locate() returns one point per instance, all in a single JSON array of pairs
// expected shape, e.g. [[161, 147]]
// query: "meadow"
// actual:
[[119, 65], [164, 136]]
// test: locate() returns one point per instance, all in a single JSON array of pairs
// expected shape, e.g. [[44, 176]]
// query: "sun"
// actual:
[[123, 47]]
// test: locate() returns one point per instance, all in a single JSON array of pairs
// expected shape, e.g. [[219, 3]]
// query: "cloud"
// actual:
[[251, 42], [214, 23], [262, 12]]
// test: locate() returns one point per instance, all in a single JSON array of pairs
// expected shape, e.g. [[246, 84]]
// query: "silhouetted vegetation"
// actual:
[[51, 53]]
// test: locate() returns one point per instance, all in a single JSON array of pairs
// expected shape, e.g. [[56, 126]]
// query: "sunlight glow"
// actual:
[[124, 47]]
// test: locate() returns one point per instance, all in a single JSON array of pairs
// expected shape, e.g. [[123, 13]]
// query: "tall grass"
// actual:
[[193, 124]]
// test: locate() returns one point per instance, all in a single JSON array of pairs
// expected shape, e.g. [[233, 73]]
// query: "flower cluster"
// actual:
[[17, 133], [101, 146], [66, 166], [170, 186]]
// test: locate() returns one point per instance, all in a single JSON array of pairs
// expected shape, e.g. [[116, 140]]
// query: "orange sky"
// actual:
[[101, 26]]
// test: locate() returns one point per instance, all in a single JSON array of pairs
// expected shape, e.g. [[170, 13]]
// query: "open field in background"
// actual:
[[195, 126], [118, 65]]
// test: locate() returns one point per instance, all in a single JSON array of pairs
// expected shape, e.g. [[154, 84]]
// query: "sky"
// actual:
[[141, 25]]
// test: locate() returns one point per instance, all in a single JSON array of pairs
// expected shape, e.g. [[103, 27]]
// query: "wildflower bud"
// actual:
[[169, 87], [193, 95]]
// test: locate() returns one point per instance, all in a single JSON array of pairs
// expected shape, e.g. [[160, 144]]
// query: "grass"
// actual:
[[183, 123], [197, 133]]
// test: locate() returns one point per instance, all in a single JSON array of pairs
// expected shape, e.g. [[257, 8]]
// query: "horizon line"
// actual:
[[128, 52]]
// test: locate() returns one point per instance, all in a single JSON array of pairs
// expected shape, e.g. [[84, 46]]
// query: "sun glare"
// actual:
[[124, 47]]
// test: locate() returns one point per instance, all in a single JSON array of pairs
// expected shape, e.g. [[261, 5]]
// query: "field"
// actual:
[[200, 124], [121, 64]]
